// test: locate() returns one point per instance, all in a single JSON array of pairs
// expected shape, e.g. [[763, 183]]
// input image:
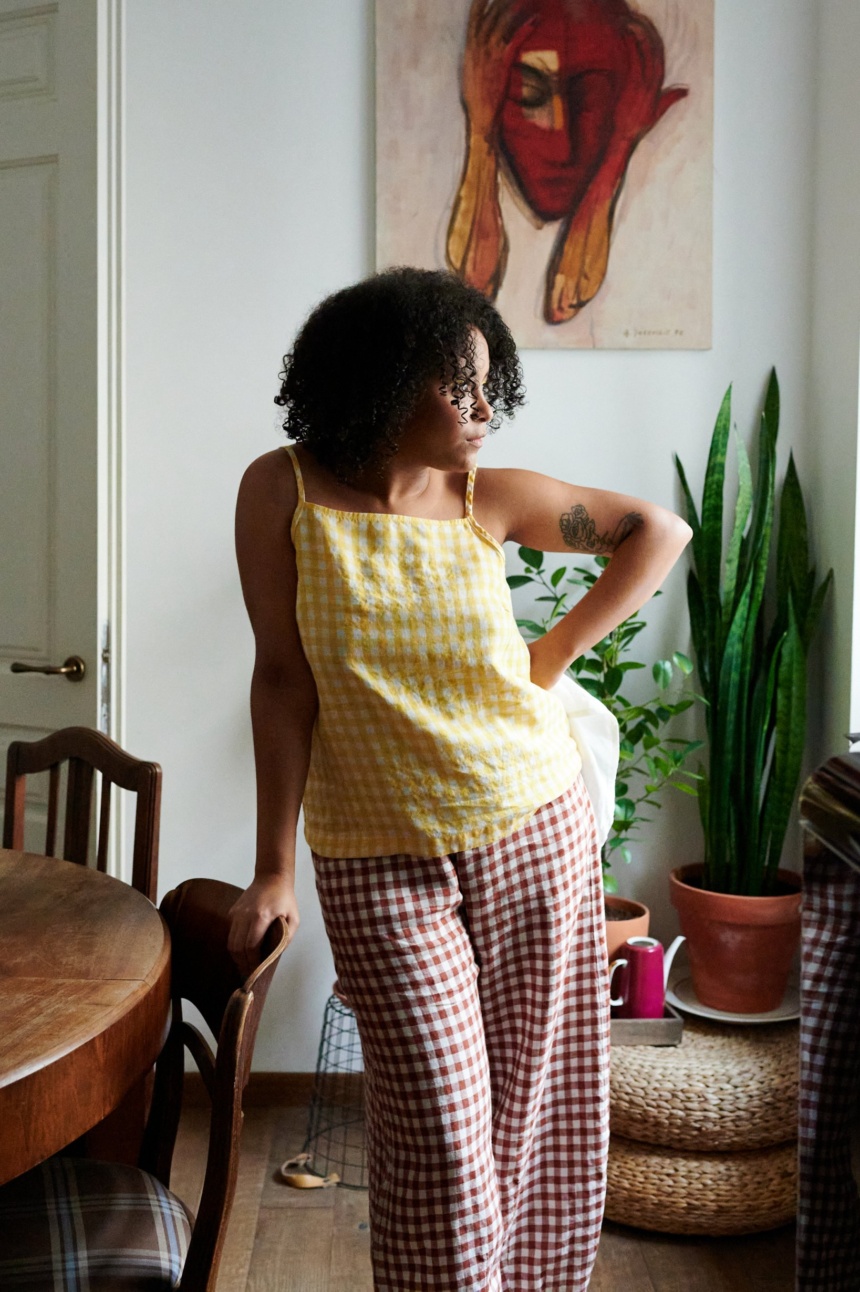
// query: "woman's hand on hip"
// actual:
[[267, 897]]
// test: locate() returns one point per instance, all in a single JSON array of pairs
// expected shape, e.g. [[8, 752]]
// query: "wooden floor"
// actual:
[[287, 1240]]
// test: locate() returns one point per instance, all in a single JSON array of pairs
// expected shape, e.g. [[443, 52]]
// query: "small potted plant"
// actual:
[[754, 605], [649, 759]]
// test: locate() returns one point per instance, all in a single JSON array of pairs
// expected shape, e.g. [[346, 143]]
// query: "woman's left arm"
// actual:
[[643, 542]]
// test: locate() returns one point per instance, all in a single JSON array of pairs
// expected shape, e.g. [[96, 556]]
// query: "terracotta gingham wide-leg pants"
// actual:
[[478, 982]]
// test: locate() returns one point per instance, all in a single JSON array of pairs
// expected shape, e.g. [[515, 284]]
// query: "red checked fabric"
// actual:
[[478, 982], [828, 1221]]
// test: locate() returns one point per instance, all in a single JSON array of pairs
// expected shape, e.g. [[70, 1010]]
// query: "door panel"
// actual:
[[49, 363]]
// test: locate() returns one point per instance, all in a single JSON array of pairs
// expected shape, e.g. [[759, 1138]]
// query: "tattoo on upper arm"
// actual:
[[580, 532]]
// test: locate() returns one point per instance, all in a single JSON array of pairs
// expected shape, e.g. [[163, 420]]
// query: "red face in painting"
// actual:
[[559, 114]]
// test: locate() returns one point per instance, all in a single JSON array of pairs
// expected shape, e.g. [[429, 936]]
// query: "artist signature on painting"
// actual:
[[653, 331]]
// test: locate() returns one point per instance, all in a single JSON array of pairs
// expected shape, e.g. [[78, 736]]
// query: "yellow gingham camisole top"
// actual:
[[430, 737]]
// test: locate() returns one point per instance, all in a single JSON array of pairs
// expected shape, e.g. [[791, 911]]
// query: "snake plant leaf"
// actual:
[[760, 740], [815, 608], [705, 816], [788, 743], [792, 551], [711, 544], [743, 506], [692, 515], [724, 743], [771, 405], [763, 514], [755, 547]]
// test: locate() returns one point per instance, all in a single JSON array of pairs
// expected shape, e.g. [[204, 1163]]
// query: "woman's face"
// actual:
[[557, 118], [448, 425]]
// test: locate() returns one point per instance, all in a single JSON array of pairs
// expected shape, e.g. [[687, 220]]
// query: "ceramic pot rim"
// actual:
[[793, 877], [634, 909]]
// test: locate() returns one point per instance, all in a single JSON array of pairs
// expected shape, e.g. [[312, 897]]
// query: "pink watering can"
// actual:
[[643, 976]]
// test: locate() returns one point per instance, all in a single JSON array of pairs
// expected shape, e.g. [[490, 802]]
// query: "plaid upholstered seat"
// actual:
[[73, 1224]]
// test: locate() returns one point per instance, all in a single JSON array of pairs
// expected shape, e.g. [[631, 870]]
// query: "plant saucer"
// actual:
[[683, 997]]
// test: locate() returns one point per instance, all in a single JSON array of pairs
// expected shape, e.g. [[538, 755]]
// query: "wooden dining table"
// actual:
[[84, 1002]]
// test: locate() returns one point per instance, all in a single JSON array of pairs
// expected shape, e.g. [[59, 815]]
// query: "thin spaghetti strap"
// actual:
[[470, 491], [300, 484]]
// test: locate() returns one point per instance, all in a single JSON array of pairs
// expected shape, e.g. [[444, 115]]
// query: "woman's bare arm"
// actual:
[[642, 540], [283, 698]]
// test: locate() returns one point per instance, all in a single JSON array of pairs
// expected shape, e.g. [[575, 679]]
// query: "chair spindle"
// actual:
[[104, 825], [79, 800], [53, 796]]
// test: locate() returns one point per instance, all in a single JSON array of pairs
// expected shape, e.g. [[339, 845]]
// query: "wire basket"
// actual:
[[335, 1134]]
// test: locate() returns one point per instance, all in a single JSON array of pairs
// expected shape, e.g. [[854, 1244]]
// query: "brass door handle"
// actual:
[[72, 670]]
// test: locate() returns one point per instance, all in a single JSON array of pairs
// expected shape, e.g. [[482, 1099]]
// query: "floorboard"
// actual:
[[620, 1264], [317, 1240]]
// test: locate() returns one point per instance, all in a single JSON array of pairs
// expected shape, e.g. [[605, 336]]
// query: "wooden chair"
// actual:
[[86, 752], [138, 1234]]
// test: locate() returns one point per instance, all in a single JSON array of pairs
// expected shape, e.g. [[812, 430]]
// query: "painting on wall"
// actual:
[[557, 155]]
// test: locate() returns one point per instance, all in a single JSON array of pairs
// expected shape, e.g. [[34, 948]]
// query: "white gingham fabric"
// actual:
[[828, 1212], [430, 736], [478, 982]]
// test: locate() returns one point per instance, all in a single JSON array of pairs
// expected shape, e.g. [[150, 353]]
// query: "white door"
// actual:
[[55, 364]]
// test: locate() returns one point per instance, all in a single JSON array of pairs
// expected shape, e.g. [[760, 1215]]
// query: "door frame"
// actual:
[[111, 27]]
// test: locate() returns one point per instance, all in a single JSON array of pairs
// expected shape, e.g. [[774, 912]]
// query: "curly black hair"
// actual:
[[364, 356]]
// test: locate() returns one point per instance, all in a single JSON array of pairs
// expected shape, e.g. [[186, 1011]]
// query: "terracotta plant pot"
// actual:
[[624, 919], [740, 948]]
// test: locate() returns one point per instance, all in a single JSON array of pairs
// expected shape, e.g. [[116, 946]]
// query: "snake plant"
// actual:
[[754, 606]]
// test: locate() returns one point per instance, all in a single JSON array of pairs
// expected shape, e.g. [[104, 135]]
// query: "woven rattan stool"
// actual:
[[704, 1134], [674, 1192], [723, 1087]]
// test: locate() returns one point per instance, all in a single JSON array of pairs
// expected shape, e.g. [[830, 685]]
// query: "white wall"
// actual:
[[250, 195], [833, 393]]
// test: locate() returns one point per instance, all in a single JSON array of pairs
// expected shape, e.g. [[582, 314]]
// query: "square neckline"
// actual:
[[391, 515], [468, 520]]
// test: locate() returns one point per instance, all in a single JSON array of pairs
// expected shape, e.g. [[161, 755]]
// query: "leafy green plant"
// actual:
[[649, 759], [751, 651]]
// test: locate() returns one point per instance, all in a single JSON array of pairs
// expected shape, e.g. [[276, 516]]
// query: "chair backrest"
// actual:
[[204, 973], [86, 752]]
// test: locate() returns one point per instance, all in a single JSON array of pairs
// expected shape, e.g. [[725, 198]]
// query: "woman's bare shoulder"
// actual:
[[269, 482], [499, 493]]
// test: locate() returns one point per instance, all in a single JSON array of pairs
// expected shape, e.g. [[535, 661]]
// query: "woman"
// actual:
[[452, 839]]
